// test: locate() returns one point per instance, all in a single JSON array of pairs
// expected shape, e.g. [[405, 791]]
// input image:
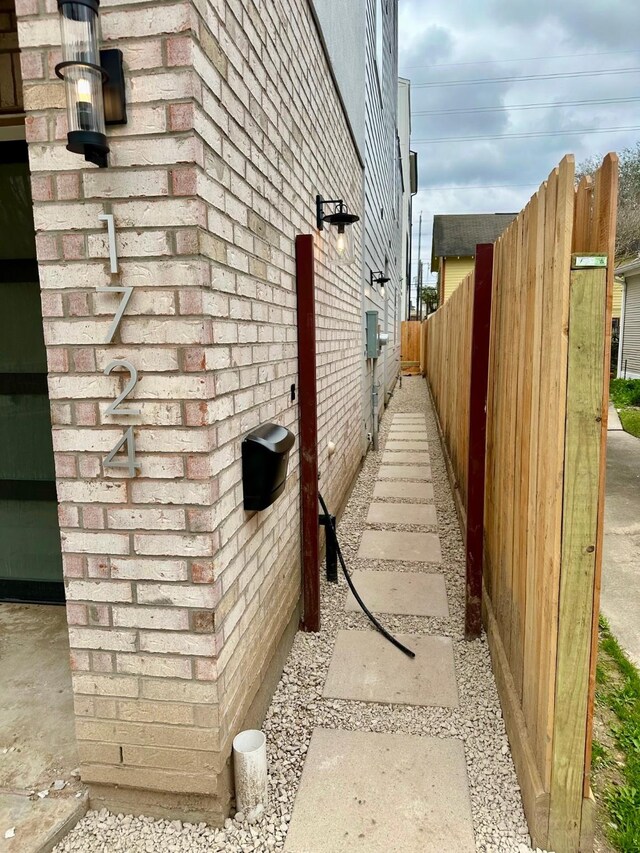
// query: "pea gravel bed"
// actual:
[[298, 706]]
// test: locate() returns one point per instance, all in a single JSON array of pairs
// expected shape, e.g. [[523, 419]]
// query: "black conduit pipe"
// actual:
[[330, 525]]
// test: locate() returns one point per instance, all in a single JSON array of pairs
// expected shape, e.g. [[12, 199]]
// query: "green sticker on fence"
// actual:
[[582, 261]]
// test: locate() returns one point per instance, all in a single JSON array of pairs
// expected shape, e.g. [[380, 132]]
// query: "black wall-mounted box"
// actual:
[[265, 457]]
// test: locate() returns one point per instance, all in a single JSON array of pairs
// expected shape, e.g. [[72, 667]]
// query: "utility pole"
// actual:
[[419, 293]]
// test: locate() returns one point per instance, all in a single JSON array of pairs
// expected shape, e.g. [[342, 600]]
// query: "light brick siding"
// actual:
[[177, 599]]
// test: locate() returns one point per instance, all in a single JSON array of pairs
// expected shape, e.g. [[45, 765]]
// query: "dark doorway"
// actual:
[[30, 558]]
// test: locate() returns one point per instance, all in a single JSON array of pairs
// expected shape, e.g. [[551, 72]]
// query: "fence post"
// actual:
[[480, 330], [307, 392]]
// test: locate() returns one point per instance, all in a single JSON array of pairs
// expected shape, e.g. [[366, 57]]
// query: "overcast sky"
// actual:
[[452, 40]]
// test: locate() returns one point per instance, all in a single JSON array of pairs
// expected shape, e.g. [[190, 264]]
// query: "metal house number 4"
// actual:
[[127, 442]]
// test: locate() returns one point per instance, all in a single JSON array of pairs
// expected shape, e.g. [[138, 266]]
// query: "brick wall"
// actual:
[[177, 599]]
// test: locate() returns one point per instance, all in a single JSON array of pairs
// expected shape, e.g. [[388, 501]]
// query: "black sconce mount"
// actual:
[[378, 277], [340, 216]]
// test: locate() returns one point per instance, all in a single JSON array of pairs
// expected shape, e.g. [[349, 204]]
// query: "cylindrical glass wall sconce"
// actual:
[[83, 76]]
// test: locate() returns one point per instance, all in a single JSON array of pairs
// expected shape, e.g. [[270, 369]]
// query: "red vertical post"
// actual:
[[480, 329], [308, 403]]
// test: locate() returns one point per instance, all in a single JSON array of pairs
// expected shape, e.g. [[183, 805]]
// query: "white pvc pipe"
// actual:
[[250, 770]]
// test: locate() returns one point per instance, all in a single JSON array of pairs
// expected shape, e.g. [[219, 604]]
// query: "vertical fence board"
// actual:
[[603, 214], [536, 438], [579, 524]]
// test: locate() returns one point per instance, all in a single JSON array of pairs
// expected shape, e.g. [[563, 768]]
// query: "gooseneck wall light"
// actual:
[[93, 79], [378, 277], [341, 218]]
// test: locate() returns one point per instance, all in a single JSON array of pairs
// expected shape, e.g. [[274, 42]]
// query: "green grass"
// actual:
[[625, 392], [618, 691], [630, 420], [625, 396]]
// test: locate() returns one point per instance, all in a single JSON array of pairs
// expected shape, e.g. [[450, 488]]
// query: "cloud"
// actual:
[[466, 40]]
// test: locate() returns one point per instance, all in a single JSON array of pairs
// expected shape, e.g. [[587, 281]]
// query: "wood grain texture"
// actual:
[[581, 492], [410, 346], [448, 365], [534, 582]]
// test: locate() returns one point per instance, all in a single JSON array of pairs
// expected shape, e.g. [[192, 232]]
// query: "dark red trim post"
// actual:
[[308, 402], [480, 329]]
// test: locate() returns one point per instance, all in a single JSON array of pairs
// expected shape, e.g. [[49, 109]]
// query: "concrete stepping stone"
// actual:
[[370, 792], [398, 489], [403, 593], [367, 668], [390, 513], [394, 444], [405, 457], [404, 472], [400, 546], [414, 420], [39, 824], [401, 426], [408, 416]]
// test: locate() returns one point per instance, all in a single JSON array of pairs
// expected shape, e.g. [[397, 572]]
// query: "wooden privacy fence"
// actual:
[[410, 342], [542, 482]]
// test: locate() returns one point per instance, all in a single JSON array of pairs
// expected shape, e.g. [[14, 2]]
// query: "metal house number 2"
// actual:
[[127, 442]]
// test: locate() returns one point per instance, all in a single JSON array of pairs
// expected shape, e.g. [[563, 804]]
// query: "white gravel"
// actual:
[[298, 706]]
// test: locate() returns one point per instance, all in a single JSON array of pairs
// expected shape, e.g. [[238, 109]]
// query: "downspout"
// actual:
[[374, 405], [623, 305]]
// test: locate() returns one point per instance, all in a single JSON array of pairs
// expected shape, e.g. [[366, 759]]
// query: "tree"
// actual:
[[628, 231], [429, 296]]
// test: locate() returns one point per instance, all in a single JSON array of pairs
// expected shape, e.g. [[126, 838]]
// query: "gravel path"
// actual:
[[298, 706]]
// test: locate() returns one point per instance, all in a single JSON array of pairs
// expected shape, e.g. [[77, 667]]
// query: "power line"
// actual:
[[584, 130], [536, 106], [477, 187], [519, 59], [526, 77]]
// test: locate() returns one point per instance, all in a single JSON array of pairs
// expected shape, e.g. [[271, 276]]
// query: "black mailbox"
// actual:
[[265, 456]]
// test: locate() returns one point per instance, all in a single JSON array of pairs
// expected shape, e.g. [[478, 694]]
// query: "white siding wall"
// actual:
[[382, 194], [344, 37], [404, 131], [630, 361]]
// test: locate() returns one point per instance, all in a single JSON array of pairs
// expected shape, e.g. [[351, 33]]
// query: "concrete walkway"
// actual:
[[415, 758], [362, 790], [621, 556], [41, 797]]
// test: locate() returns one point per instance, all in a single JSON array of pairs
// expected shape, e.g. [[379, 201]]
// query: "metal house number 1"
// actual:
[[127, 442]]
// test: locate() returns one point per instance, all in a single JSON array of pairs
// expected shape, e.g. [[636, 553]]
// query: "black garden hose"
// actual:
[[331, 526]]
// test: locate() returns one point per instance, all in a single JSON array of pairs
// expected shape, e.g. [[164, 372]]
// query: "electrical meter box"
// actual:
[[373, 347], [265, 459]]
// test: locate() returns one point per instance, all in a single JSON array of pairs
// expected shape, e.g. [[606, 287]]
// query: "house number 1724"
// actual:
[[127, 442]]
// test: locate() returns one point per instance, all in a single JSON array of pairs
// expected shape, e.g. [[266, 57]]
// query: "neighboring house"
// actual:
[[629, 343], [181, 606], [409, 174], [455, 238]]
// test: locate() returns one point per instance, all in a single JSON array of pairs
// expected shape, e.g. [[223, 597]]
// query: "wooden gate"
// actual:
[[410, 340]]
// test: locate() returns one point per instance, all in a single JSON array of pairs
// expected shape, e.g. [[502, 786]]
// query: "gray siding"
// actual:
[[382, 196], [343, 34], [631, 329]]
